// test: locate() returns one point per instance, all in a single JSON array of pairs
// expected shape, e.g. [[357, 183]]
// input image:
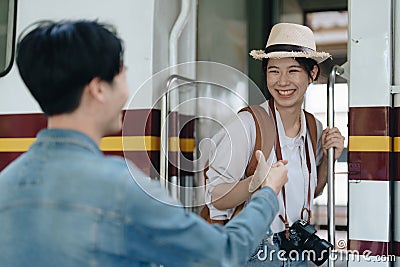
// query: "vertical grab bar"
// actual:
[[164, 138], [336, 70]]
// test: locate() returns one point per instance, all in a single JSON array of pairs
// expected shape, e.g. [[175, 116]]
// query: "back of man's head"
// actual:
[[57, 59]]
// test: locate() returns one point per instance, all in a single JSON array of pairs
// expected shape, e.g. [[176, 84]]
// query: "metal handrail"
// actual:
[[164, 140], [336, 70]]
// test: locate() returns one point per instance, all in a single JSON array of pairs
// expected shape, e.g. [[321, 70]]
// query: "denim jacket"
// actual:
[[64, 203]]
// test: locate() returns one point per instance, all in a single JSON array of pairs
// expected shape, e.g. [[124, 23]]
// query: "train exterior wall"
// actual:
[[370, 132], [144, 26]]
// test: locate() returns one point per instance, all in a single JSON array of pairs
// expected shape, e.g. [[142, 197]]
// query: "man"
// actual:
[[63, 203]]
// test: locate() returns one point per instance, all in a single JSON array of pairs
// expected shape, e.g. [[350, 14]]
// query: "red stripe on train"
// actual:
[[373, 248]]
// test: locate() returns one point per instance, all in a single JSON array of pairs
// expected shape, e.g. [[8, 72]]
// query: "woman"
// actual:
[[290, 63]]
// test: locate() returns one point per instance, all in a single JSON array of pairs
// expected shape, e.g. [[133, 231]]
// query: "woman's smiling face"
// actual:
[[287, 81]]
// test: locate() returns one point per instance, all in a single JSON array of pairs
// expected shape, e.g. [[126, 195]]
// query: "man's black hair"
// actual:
[[57, 59]]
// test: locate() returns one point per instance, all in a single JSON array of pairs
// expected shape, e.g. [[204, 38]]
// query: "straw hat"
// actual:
[[290, 40]]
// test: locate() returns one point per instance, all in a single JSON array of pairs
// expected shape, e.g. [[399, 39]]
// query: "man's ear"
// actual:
[[95, 89]]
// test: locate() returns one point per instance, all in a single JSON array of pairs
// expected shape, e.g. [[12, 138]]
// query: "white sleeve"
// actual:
[[228, 162]]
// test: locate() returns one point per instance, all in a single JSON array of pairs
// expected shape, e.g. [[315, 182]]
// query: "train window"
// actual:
[[330, 31], [7, 34]]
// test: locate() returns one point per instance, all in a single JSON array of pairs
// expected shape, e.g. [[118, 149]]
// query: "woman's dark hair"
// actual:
[[306, 63], [57, 59]]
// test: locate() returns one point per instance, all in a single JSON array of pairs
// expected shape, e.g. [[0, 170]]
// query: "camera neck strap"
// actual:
[[279, 157]]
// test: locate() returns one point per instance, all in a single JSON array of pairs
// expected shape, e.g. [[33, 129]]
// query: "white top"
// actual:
[[234, 147]]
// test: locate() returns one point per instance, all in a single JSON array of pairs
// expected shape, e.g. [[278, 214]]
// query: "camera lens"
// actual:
[[318, 249]]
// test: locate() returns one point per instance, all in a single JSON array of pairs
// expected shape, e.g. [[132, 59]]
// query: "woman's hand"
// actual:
[[332, 138], [230, 195], [275, 177]]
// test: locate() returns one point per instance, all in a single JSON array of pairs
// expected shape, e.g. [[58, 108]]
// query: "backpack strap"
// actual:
[[263, 142], [312, 130]]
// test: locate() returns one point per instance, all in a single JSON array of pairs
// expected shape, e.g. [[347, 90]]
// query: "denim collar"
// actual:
[[68, 136]]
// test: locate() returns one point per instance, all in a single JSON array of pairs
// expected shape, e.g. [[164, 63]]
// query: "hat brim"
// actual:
[[317, 56]]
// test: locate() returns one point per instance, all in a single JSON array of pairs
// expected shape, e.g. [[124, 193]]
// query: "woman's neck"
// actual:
[[291, 120]]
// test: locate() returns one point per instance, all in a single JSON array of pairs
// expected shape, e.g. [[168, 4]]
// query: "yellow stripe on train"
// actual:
[[15, 144], [145, 143], [111, 143], [370, 144], [184, 144], [396, 145], [130, 143]]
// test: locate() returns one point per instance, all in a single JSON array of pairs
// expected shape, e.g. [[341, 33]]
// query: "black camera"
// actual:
[[302, 238]]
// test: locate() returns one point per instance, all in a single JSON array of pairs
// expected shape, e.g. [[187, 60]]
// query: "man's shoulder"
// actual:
[[111, 165]]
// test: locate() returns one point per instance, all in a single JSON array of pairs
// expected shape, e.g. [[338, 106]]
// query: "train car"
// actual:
[[373, 219], [189, 72]]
